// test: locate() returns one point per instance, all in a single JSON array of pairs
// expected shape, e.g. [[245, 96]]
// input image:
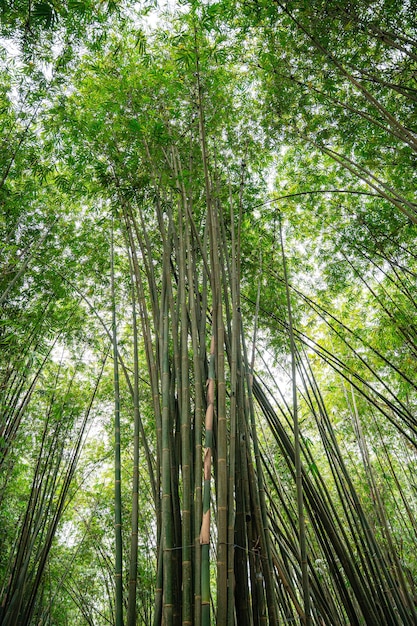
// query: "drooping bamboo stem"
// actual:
[[407, 135], [392, 555], [258, 496], [30, 255], [297, 450]]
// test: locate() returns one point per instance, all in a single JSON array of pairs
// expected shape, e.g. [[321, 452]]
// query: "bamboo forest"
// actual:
[[208, 326]]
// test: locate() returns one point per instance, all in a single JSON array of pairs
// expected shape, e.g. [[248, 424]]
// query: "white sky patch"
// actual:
[[10, 47], [68, 534]]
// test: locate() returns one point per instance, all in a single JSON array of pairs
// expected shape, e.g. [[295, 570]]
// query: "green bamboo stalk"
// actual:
[[186, 453], [167, 519], [205, 525], [198, 427], [221, 474], [235, 349], [133, 566], [195, 245], [219, 352], [117, 457], [159, 583], [243, 524]]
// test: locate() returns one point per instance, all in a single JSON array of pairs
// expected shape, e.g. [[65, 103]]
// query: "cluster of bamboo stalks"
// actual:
[[207, 403]]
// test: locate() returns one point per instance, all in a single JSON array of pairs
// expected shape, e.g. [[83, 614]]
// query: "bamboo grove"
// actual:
[[207, 281]]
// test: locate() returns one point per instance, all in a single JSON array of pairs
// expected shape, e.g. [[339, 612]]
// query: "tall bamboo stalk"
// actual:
[[117, 455], [198, 423], [205, 525], [222, 521], [167, 516], [133, 566], [186, 449], [235, 351]]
